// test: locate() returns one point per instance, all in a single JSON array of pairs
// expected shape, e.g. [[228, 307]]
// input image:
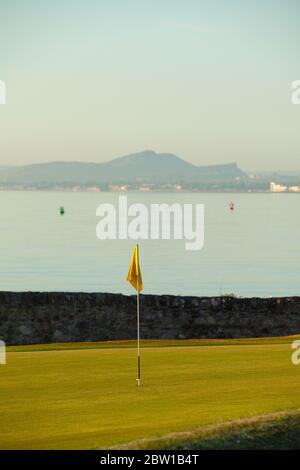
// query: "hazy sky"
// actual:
[[96, 79]]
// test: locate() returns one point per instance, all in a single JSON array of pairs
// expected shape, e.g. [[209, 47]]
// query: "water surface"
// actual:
[[251, 251]]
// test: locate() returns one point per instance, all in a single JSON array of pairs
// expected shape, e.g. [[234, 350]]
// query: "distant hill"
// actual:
[[143, 167]]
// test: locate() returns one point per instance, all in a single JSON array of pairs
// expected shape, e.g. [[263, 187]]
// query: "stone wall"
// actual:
[[49, 317]]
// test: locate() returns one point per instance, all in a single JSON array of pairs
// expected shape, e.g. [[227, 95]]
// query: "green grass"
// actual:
[[149, 343], [83, 396], [275, 431]]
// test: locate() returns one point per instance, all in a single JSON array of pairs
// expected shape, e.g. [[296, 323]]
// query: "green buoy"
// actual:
[[62, 210]]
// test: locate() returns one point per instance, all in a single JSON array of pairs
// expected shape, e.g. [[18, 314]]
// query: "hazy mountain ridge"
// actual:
[[142, 167]]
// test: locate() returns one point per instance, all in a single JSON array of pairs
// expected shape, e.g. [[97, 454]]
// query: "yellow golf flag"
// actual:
[[134, 274]]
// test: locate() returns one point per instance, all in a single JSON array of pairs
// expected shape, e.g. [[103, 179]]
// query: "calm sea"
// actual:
[[252, 251]]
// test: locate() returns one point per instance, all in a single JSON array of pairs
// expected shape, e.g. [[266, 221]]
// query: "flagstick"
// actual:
[[138, 333]]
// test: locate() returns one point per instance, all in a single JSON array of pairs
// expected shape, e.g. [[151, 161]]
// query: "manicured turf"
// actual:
[[275, 431], [87, 398], [149, 343]]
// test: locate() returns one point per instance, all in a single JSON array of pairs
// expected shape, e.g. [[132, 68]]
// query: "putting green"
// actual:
[[87, 398]]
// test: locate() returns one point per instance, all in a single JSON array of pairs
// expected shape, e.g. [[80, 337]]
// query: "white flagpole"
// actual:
[[138, 333]]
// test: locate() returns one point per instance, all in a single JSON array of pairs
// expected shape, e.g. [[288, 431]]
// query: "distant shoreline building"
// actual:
[[279, 188], [294, 189]]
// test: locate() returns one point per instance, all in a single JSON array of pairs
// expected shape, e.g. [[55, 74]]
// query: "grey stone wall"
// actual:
[[50, 317]]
